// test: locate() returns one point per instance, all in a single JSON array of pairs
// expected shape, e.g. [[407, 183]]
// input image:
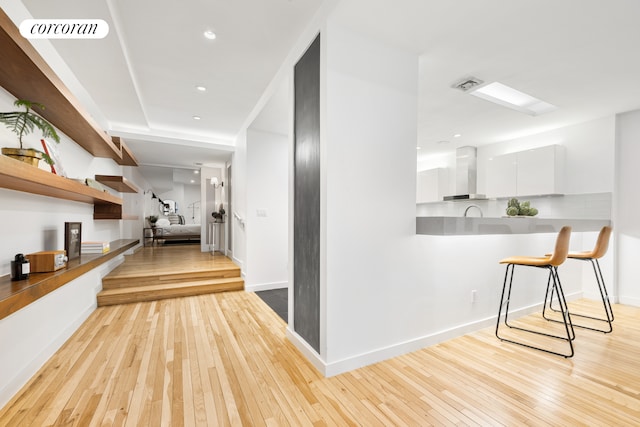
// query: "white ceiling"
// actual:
[[580, 55], [143, 75]]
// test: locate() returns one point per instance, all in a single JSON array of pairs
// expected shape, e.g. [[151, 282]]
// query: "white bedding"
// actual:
[[181, 230]]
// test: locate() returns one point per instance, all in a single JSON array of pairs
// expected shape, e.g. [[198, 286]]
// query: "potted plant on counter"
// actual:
[[24, 122], [517, 209]]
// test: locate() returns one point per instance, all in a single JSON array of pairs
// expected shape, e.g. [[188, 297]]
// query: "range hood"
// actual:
[[466, 175]]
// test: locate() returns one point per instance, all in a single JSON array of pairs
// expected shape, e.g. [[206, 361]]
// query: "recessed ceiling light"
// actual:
[[418, 148], [442, 142], [201, 88], [192, 181], [196, 172], [512, 98], [196, 117], [210, 35], [457, 135]]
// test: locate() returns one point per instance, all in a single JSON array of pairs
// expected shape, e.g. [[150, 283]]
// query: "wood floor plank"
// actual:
[[224, 360]]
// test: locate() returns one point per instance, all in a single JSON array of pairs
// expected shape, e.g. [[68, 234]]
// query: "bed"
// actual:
[[177, 231]]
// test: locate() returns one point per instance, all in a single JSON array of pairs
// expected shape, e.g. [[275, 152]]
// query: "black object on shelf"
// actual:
[[20, 268]]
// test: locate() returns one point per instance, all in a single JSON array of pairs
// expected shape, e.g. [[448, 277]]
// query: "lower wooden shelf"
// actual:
[[19, 294]]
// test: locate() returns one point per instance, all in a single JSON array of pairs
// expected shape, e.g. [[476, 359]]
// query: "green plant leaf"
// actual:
[[24, 122]]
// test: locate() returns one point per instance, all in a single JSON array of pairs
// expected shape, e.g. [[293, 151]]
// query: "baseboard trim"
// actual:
[[378, 355], [266, 286], [307, 351], [629, 301], [24, 375]]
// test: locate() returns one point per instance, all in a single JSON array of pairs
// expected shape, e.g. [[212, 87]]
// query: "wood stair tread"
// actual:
[[153, 279], [163, 272], [171, 285], [168, 290]]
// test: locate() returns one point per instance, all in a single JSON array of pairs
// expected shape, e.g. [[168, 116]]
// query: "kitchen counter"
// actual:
[[457, 226]]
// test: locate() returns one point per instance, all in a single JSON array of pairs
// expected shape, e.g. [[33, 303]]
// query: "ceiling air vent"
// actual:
[[468, 83]]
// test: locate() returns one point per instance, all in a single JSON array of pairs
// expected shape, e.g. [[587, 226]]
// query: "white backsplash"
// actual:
[[574, 206]]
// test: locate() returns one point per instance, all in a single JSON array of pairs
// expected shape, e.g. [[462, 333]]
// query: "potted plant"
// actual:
[[515, 208], [218, 216], [152, 220], [23, 123]]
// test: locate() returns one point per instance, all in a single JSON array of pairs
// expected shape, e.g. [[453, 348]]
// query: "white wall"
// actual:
[[267, 210], [136, 204], [627, 206], [33, 334], [239, 162], [184, 195], [191, 204], [385, 290], [368, 162]]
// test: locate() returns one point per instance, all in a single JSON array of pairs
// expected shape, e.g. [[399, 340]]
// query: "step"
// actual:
[[146, 279], [168, 290]]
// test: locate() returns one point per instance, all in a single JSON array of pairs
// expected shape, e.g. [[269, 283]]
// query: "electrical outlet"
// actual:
[[261, 212]]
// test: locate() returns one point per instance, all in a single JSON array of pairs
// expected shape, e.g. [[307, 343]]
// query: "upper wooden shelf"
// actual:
[[26, 75], [128, 159], [16, 175], [118, 183]]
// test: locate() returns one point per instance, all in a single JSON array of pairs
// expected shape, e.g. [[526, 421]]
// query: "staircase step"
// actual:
[[168, 290], [145, 279]]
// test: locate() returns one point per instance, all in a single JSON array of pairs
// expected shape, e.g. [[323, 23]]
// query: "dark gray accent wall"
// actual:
[[306, 216]]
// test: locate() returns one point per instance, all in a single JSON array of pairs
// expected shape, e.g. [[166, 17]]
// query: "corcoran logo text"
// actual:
[[64, 28]]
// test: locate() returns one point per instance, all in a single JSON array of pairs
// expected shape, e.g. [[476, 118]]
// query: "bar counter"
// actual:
[[460, 226]]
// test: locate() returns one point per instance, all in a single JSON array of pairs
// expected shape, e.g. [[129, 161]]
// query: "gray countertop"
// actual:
[[454, 226]]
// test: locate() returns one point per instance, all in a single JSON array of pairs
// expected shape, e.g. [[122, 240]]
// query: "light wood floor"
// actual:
[[223, 359], [174, 259]]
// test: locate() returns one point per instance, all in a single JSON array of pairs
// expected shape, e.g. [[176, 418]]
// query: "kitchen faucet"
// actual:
[[473, 206]]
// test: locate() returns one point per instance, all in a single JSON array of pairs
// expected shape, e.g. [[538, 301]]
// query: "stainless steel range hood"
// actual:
[[466, 175]]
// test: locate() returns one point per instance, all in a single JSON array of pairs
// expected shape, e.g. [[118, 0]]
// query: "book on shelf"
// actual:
[[93, 251], [94, 247]]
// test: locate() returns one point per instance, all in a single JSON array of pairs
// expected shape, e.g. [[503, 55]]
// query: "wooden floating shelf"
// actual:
[[19, 176], [19, 294], [118, 183], [128, 159], [26, 75]]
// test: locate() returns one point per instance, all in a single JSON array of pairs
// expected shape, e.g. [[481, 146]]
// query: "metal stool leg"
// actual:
[[603, 291], [556, 287], [605, 302]]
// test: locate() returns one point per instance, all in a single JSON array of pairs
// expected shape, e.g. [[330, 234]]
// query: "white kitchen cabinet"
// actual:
[[431, 185], [501, 176], [538, 171]]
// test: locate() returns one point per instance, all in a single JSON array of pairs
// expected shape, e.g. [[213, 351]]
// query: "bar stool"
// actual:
[[602, 244], [551, 263]]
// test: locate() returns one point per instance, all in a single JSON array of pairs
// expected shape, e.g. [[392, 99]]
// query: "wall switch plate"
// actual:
[[261, 212]]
